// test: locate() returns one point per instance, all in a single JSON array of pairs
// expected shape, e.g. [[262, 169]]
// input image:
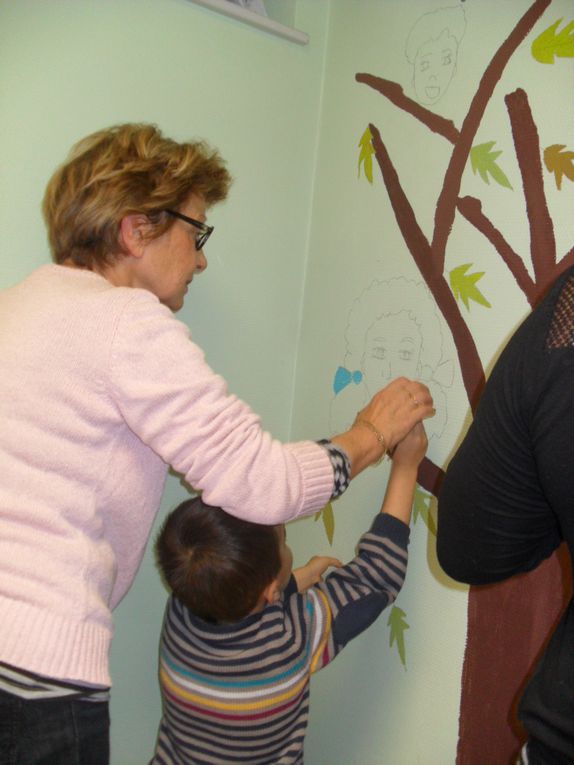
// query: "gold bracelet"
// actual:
[[379, 435]]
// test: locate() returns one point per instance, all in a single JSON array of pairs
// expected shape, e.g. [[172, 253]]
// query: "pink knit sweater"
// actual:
[[101, 388]]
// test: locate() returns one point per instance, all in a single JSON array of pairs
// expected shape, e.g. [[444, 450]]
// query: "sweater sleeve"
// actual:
[[352, 597], [171, 399]]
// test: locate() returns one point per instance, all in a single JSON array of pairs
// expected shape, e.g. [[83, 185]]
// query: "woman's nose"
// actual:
[[201, 262]]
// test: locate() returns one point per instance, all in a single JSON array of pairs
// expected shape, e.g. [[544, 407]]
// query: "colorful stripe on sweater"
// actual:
[[240, 693]]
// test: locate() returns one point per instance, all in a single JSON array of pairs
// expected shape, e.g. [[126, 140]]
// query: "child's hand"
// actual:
[[410, 451], [312, 572]]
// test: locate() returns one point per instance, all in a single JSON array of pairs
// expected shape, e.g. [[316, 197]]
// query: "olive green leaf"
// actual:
[[423, 506], [398, 626], [483, 162], [328, 521]]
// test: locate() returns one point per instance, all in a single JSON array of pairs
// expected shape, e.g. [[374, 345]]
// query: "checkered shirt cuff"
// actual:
[[341, 467]]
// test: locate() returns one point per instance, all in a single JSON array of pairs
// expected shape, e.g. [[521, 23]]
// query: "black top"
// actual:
[[508, 497]]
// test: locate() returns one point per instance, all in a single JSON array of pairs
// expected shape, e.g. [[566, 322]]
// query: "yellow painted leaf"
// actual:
[[550, 44], [464, 287], [366, 155]]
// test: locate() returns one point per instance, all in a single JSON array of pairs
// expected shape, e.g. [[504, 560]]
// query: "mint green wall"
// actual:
[[68, 67], [367, 708], [301, 236]]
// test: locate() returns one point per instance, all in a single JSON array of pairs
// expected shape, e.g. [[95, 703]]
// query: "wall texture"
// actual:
[[417, 132], [307, 241], [69, 67]]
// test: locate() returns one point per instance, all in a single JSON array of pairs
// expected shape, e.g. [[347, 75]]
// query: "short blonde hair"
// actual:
[[124, 170]]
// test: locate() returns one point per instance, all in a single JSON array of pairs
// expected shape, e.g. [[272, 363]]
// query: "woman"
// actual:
[[100, 390], [505, 506]]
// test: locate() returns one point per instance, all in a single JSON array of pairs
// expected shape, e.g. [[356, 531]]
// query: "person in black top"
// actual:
[[507, 501]]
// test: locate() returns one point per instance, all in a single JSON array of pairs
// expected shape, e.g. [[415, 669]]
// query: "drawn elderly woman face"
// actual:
[[392, 349], [434, 67]]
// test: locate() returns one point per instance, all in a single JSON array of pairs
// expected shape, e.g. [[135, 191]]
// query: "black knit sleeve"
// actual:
[[506, 497]]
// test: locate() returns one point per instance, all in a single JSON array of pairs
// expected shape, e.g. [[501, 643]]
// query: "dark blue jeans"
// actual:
[[53, 732]]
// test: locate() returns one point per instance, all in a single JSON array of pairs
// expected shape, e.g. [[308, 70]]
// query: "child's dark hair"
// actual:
[[214, 563]]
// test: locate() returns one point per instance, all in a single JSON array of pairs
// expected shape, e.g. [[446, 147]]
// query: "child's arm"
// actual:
[[350, 599], [398, 500], [400, 491], [312, 572]]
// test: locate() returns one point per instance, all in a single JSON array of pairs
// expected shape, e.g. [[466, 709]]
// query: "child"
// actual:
[[242, 634]]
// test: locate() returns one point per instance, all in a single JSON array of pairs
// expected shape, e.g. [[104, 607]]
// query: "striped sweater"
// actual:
[[239, 693]]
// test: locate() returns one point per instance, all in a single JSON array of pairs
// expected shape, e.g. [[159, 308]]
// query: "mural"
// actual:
[[508, 605], [380, 341], [393, 330], [432, 50]]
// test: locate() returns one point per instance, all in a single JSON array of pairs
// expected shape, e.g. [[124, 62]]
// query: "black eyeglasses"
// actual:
[[205, 231]]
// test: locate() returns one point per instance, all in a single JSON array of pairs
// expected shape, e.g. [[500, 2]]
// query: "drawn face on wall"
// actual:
[[434, 68], [392, 349]]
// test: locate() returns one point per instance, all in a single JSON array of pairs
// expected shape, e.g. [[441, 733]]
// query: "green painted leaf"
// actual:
[[329, 522], [366, 155], [464, 286], [398, 626], [422, 508], [550, 45], [328, 517], [483, 162]]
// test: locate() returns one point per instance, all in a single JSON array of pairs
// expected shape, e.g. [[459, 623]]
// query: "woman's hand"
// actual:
[[386, 420], [395, 410]]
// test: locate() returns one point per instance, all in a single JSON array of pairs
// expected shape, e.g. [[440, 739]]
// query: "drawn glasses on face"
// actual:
[[204, 230]]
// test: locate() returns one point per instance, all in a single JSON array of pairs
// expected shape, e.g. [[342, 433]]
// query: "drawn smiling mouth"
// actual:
[[432, 91]]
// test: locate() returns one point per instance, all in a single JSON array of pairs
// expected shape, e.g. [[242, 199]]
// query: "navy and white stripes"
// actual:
[[239, 693]]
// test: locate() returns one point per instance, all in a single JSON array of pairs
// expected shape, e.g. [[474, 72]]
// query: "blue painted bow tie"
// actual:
[[344, 377]]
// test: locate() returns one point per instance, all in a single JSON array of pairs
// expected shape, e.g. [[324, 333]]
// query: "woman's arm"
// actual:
[[390, 415], [174, 402]]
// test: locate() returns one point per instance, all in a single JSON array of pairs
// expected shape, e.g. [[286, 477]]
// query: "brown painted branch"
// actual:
[[426, 261], [430, 476], [470, 364], [527, 146], [413, 235], [471, 209], [567, 260], [446, 205], [394, 92]]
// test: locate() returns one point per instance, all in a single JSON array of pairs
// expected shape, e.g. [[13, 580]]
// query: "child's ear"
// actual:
[[272, 592]]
